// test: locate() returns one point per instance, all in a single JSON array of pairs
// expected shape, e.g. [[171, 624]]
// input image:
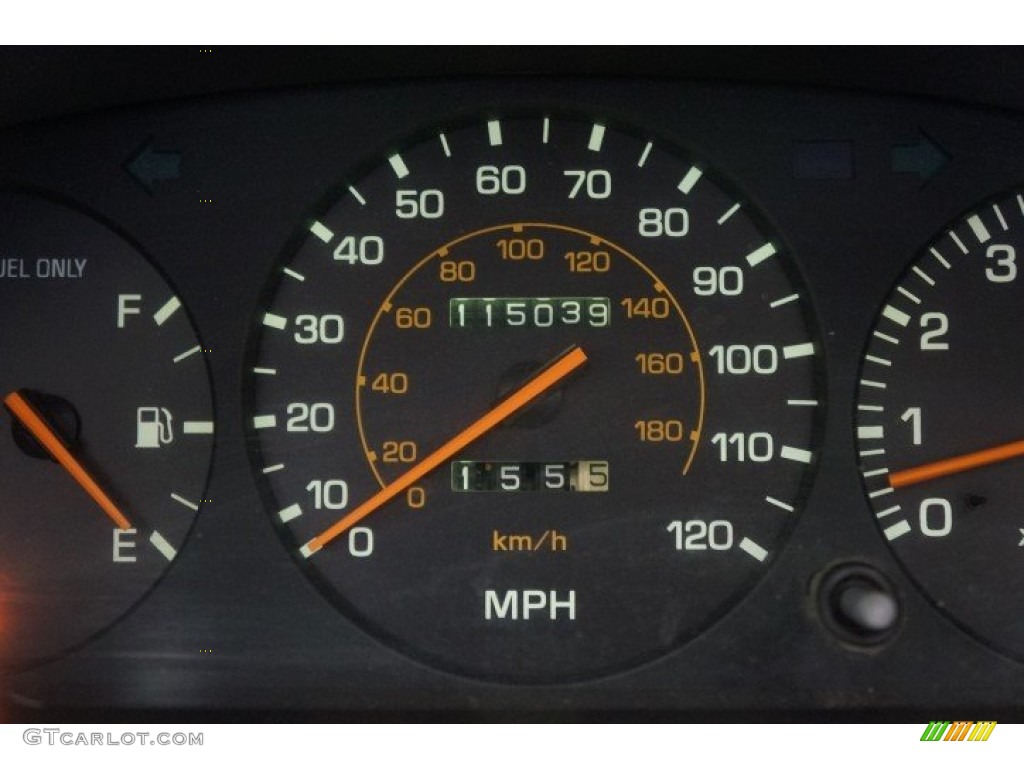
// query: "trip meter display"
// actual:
[[534, 399]]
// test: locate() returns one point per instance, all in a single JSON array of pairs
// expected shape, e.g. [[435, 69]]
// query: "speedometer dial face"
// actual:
[[534, 399], [939, 423]]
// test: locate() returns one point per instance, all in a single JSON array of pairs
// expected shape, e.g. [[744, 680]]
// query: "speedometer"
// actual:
[[534, 399]]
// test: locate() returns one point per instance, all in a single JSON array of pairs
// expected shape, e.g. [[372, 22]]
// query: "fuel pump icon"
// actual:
[[153, 427]]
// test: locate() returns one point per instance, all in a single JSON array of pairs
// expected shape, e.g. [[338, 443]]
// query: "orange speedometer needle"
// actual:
[[26, 413], [956, 464], [545, 379]]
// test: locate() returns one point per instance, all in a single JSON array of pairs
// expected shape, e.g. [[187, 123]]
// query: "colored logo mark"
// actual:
[[958, 731]]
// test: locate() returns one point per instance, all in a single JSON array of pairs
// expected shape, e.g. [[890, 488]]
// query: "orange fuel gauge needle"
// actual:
[[549, 376], [24, 412], [956, 464]]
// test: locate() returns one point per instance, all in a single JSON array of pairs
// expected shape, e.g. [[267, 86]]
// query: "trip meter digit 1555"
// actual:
[[534, 398]]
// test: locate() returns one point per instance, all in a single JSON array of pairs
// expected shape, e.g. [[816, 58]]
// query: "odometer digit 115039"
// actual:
[[534, 399]]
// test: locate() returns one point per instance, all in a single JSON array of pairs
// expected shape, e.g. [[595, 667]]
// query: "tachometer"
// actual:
[[939, 427], [534, 399]]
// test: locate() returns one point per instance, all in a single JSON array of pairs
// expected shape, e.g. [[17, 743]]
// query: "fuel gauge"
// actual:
[[107, 433]]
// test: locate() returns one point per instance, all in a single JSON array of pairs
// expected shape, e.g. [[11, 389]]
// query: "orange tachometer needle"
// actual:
[[956, 464], [558, 369], [24, 412]]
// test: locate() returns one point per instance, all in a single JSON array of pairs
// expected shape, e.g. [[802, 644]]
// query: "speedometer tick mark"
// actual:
[[444, 145], [265, 371], [796, 454], [596, 138], [784, 300], [780, 504], [355, 193], [276, 322], [398, 166], [644, 154], [728, 214], [294, 275], [886, 337], [289, 513], [494, 133], [321, 231], [545, 131], [753, 549], [887, 512], [798, 350], [759, 255], [690, 180]]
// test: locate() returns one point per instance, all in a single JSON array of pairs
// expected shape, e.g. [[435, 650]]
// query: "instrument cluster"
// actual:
[[513, 395]]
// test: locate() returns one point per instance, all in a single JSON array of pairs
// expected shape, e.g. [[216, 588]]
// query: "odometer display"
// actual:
[[589, 312], [511, 309]]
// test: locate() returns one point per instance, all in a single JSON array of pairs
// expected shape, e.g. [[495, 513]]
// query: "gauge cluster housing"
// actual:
[[856, 166]]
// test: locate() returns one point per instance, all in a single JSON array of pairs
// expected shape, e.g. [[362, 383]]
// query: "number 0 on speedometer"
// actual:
[[534, 399]]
